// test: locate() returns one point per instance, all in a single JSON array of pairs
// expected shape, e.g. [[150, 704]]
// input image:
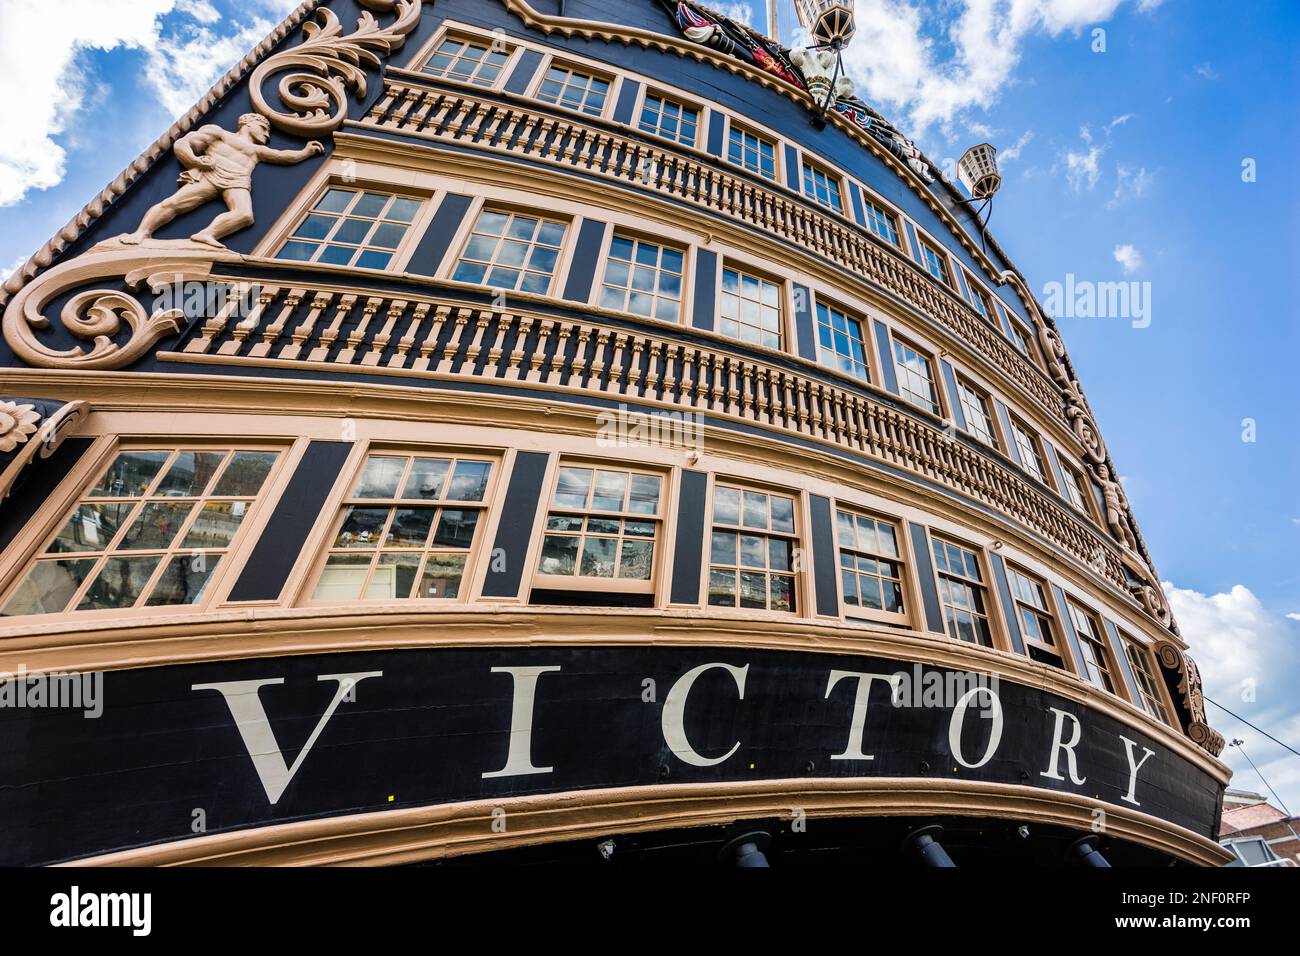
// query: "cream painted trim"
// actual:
[[913, 616], [595, 69], [666, 518], [335, 172], [458, 30], [609, 32], [22, 553], [396, 837], [690, 263], [512, 204], [128, 403], [454, 172], [316, 550], [805, 605], [742, 261], [652, 86]]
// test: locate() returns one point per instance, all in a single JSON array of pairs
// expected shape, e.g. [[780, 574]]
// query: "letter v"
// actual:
[[242, 697]]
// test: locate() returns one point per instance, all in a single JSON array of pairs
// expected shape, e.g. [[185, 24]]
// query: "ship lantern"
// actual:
[[830, 22], [977, 170]]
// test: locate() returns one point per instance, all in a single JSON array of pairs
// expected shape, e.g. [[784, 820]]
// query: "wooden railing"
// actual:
[[576, 143], [423, 335]]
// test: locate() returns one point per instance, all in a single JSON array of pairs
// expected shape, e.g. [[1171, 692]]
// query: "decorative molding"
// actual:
[[1119, 519], [32, 427], [398, 837], [1185, 682], [330, 65], [97, 314]]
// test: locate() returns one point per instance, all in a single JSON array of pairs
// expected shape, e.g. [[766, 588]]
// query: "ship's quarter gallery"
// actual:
[[495, 431]]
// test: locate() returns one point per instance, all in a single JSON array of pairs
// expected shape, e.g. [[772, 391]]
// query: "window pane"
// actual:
[[456, 529], [156, 525], [91, 527], [469, 482], [559, 555], [598, 557], [130, 474], [426, 478], [442, 576], [245, 474], [380, 478], [410, 528], [361, 527], [183, 580], [571, 491], [49, 586], [343, 578], [722, 588], [393, 577], [119, 583], [215, 525], [637, 560]]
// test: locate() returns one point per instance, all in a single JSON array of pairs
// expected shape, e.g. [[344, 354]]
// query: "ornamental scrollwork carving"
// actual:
[[328, 65], [30, 428], [1189, 696], [99, 315]]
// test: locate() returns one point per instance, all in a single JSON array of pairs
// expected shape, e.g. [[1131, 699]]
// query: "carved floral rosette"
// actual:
[[1189, 696], [32, 428]]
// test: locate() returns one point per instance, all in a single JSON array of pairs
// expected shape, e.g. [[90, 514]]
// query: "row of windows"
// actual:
[[155, 525], [518, 251], [480, 62]]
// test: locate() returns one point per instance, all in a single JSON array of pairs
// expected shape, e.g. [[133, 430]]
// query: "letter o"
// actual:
[[959, 717]]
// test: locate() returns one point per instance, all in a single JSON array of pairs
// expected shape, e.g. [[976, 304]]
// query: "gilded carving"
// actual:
[[1190, 696], [94, 209], [219, 164], [20, 421], [17, 424], [97, 315], [328, 65]]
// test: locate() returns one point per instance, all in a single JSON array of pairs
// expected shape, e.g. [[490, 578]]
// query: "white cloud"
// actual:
[[1129, 258], [1119, 121], [897, 66], [13, 267], [1206, 71], [187, 60], [1012, 153], [1293, 616], [1250, 663], [1130, 184], [737, 10], [1084, 168], [42, 84], [45, 82]]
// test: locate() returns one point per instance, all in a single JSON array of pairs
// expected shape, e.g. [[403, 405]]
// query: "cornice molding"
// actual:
[[395, 837]]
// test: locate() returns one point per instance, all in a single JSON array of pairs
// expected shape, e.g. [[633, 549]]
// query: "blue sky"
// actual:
[[1123, 164]]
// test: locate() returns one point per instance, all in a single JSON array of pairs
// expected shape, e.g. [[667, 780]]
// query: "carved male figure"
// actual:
[[219, 163]]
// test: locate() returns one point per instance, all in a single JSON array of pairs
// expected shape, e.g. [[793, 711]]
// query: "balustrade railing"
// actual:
[[576, 143], [408, 334]]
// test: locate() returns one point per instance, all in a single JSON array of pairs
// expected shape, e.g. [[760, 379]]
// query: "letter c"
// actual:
[[674, 714]]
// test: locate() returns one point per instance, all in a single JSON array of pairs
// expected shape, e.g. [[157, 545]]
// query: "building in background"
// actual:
[[1258, 833], [522, 430]]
